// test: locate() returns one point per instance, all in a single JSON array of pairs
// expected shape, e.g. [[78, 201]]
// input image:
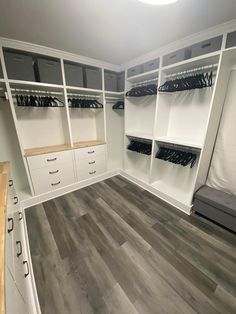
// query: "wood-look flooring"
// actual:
[[114, 248]]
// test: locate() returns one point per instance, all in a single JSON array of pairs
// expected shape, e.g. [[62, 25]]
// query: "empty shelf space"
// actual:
[[83, 144], [47, 149], [180, 141]]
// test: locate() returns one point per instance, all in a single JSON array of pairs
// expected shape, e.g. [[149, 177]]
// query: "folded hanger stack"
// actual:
[[38, 101], [196, 81], [84, 103], [140, 147], [143, 90], [119, 105], [177, 156]]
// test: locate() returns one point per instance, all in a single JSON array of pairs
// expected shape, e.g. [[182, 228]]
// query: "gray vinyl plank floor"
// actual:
[[115, 248]]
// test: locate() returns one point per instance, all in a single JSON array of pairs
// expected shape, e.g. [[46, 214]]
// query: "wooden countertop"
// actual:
[[4, 178], [88, 144]]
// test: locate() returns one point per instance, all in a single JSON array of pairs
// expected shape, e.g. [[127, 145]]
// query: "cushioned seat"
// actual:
[[216, 205]]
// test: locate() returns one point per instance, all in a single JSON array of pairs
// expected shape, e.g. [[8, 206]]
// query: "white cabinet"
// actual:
[[92, 151]]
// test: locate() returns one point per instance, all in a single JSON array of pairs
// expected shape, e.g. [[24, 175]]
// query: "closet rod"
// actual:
[[35, 91], [206, 67], [145, 82], [178, 146]]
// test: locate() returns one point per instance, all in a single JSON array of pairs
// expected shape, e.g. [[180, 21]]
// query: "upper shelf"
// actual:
[[114, 94], [34, 85], [180, 141], [144, 76], [146, 136], [83, 90]]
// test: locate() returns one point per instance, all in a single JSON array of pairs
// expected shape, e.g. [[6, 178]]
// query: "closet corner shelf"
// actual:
[[114, 94], [204, 60], [35, 85], [146, 136], [45, 150], [83, 90], [179, 141], [144, 76], [88, 144]]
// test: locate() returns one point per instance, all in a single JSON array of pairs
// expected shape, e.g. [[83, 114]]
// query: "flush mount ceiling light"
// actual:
[[158, 2]]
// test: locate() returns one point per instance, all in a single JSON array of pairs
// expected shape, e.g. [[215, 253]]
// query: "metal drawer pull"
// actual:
[[20, 215], [10, 183], [53, 172], [18, 243], [91, 152], [53, 184], [92, 172], [53, 159], [12, 225], [16, 200], [27, 264], [92, 162]]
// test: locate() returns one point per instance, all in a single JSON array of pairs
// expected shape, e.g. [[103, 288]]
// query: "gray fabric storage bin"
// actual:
[[231, 40], [151, 65], [74, 74], [93, 78], [49, 71], [110, 81], [121, 82], [216, 205], [19, 66], [1, 73], [176, 56], [138, 69], [206, 46]]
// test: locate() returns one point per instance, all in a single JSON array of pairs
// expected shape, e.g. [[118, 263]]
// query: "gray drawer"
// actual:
[[1, 73], [110, 81], [49, 70], [121, 82], [151, 65], [231, 40], [176, 56], [206, 46], [19, 66], [74, 74], [138, 69], [93, 78]]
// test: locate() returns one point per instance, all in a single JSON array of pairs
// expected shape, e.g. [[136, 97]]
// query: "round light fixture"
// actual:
[[158, 2]]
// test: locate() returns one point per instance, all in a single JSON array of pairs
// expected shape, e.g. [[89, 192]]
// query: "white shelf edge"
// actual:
[[36, 84], [179, 141], [84, 89], [140, 135], [110, 93], [143, 75]]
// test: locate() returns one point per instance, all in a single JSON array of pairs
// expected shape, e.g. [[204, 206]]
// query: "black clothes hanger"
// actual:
[[119, 105], [84, 103], [38, 101], [144, 90], [140, 147], [177, 156], [196, 81]]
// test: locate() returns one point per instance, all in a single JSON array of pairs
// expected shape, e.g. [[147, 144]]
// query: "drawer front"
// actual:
[[90, 173], [89, 152], [46, 160], [9, 244], [51, 178], [90, 163]]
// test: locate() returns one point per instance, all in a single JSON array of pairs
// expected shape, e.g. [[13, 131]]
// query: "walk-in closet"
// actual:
[[117, 157]]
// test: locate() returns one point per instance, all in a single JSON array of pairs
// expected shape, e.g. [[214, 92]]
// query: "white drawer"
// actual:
[[92, 172], [51, 178], [88, 152], [90, 162], [46, 160]]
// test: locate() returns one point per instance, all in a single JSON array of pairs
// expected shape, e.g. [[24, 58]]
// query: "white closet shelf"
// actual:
[[83, 144], [180, 141], [204, 60], [35, 85], [147, 136], [46, 149], [83, 90], [111, 94], [144, 76], [2, 80]]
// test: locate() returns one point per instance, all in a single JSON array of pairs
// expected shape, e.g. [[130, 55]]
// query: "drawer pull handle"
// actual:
[[52, 159], [53, 172], [91, 152], [20, 215], [92, 172], [27, 264], [18, 243], [10, 183], [54, 184], [16, 200], [92, 162], [12, 225]]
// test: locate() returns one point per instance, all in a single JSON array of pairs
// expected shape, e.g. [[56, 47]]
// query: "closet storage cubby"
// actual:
[[148, 66], [48, 70], [231, 40], [74, 74], [114, 82], [93, 78]]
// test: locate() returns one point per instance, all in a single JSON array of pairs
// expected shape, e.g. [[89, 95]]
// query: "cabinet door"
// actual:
[[10, 244]]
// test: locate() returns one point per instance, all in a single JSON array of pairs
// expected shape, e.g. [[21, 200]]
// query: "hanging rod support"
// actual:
[[206, 67]]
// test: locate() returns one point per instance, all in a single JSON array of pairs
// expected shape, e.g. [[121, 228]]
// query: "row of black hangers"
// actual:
[[140, 147], [196, 81], [84, 103], [177, 156], [38, 101], [119, 105], [143, 90]]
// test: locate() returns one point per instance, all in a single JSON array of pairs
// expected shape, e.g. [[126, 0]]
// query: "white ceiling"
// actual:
[[115, 31]]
